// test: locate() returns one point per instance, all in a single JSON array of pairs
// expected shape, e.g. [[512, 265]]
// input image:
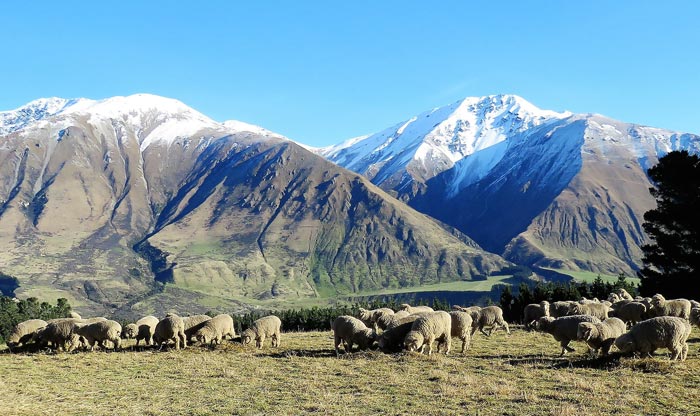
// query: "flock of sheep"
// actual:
[[68, 334], [655, 323]]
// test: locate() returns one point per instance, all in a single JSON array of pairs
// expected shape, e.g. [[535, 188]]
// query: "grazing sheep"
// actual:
[[193, 324], [269, 326], [415, 309], [24, 332], [170, 328], [99, 332], [58, 332], [461, 327], [143, 329], [598, 310], [601, 336], [385, 321], [215, 329], [491, 316], [563, 329], [533, 312], [661, 332], [561, 308], [695, 317], [350, 330], [391, 340], [435, 326], [370, 317], [629, 312], [675, 307]]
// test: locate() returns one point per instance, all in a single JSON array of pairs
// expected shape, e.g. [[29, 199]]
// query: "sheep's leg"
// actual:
[[565, 347], [448, 341], [684, 351], [429, 347], [337, 344], [484, 332], [260, 341], [474, 328], [177, 342]]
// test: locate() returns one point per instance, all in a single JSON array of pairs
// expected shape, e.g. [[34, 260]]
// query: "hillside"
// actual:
[[102, 201]]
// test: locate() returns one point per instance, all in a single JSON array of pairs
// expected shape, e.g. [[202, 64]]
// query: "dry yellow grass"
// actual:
[[516, 374]]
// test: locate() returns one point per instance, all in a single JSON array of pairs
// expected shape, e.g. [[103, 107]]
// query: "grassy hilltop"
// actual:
[[516, 374]]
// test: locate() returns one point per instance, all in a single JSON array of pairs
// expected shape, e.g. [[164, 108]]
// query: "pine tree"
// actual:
[[673, 258]]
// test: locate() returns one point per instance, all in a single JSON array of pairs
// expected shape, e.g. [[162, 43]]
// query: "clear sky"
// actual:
[[321, 71]]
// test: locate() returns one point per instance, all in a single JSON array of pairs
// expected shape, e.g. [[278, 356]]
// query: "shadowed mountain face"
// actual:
[[542, 188], [99, 201]]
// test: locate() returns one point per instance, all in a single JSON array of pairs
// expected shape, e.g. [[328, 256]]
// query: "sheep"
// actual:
[[564, 329], [193, 324], [415, 309], [661, 332], [370, 317], [598, 310], [269, 326], [350, 330], [489, 316], [385, 321], [24, 332], [533, 312], [623, 294], [601, 336], [561, 308], [695, 317], [143, 329], [392, 339], [435, 326], [75, 315], [170, 328], [694, 304], [99, 332], [461, 327], [675, 307], [614, 298], [58, 332], [215, 329], [629, 312]]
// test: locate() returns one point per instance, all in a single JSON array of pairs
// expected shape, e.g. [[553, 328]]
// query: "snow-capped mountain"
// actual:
[[432, 142], [99, 198], [541, 187]]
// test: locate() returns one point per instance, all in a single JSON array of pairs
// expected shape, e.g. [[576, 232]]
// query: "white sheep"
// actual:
[[674, 307], [630, 312], [598, 310], [58, 332], [623, 294], [350, 330], [170, 328], [216, 329], [99, 332], [661, 332], [461, 327], [435, 326], [24, 332], [193, 324], [143, 329], [564, 329], [266, 327], [385, 321], [561, 308], [415, 309], [533, 312], [370, 317], [601, 335], [75, 315], [490, 316], [695, 316]]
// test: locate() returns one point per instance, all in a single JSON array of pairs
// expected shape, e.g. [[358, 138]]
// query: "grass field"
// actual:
[[586, 276], [506, 374]]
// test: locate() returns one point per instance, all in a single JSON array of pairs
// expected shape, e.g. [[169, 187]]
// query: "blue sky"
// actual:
[[321, 72]]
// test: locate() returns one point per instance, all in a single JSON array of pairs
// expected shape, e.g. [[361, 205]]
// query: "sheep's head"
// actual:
[[366, 338], [585, 331], [202, 338], [247, 336], [404, 307], [413, 341], [657, 299], [613, 298], [695, 316], [130, 331], [364, 314], [625, 343]]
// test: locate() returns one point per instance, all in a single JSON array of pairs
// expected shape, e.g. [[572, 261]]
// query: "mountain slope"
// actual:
[[225, 212], [557, 189]]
